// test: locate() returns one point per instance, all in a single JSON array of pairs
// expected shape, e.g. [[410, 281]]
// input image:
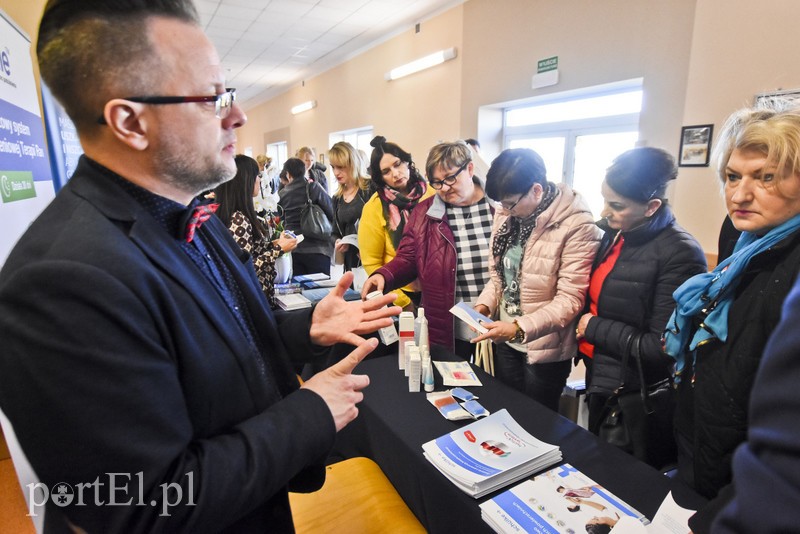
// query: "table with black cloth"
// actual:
[[393, 424]]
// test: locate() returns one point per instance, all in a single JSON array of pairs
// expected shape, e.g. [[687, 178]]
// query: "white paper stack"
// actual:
[[312, 277], [489, 454], [294, 301]]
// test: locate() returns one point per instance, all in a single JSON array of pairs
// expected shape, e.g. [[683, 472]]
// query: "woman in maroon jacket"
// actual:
[[445, 246]]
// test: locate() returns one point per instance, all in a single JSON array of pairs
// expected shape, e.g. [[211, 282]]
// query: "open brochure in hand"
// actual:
[[350, 239], [560, 500], [476, 320], [489, 454]]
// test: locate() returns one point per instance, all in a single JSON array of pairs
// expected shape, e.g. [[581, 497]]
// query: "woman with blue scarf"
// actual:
[[723, 318]]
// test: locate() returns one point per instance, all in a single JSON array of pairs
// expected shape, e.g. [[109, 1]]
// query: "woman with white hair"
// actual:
[[724, 318]]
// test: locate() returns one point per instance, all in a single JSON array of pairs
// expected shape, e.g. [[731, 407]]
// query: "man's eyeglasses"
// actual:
[[223, 102], [449, 180]]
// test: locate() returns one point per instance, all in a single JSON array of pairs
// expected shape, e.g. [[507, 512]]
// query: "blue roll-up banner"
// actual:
[[63, 144], [26, 180]]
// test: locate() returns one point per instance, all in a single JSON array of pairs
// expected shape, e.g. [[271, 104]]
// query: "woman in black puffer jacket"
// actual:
[[644, 256]]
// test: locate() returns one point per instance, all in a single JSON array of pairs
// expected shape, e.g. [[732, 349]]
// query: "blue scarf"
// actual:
[[713, 293]]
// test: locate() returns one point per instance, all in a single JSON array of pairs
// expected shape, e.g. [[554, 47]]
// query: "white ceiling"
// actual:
[[268, 46]]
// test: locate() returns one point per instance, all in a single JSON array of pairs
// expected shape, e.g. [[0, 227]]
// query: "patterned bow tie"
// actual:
[[198, 216]]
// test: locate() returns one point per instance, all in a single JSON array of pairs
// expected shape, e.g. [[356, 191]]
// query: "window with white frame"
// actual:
[[358, 137], [279, 152], [578, 134]]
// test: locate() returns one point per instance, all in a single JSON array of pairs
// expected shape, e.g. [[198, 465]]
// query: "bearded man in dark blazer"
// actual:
[[141, 365]]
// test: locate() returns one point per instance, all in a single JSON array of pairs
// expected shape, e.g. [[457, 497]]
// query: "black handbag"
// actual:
[[313, 221], [640, 421]]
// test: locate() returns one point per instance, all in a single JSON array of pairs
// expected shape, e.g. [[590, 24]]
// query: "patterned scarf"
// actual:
[[397, 207], [519, 230]]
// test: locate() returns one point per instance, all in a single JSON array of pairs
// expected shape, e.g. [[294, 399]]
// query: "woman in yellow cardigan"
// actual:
[[400, 187]]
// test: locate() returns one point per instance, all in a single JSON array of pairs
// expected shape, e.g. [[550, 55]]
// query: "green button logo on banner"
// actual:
[[16, 185]]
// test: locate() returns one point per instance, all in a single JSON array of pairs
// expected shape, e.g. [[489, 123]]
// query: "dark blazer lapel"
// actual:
[[264, 321], [163, 251]]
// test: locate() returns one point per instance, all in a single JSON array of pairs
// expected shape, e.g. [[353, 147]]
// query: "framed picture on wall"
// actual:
[[766, 99], [695, 145]]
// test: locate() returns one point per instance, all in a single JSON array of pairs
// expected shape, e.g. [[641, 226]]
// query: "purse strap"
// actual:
[[637, 355], [624, 363], [337, 201]]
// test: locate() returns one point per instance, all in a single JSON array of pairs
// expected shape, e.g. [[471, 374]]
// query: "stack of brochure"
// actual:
[[288, 288], [316, 295], [489, 454], [312, 284], [293, 301], [561, 500], [313, 277]]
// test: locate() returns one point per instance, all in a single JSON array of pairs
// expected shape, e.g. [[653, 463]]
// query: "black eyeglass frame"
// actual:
[[514, 205], [160, 100], [449, 180]]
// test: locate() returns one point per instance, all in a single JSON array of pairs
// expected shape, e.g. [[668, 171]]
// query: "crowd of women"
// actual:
[[630, 296]]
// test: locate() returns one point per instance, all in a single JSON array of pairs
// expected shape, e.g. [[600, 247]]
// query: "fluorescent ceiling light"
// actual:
[[421, 64], [305, 106]]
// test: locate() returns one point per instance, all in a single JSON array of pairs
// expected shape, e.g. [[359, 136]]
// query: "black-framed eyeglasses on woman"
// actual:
[[449, 180], [223, 102], [514, 205]]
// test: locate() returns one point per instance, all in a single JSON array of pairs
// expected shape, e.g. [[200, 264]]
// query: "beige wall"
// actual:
[[739, 49], [596, 43], [499, 44], [26, 14], [416, 111]]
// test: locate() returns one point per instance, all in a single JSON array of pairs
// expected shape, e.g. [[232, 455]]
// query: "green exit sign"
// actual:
[[548, 64]]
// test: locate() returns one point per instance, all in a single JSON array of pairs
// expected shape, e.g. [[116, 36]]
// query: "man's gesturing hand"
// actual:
[[338, 321], [339, 388]]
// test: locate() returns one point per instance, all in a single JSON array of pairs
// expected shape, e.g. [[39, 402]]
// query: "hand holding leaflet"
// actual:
[[500, 331], [476, 320], [350, 239], [299, 237]]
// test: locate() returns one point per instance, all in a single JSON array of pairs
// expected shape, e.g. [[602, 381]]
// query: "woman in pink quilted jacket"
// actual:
[[544, 241]]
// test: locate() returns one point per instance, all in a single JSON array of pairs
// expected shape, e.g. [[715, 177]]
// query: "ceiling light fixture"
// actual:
[[305, 106], [421, 64]]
